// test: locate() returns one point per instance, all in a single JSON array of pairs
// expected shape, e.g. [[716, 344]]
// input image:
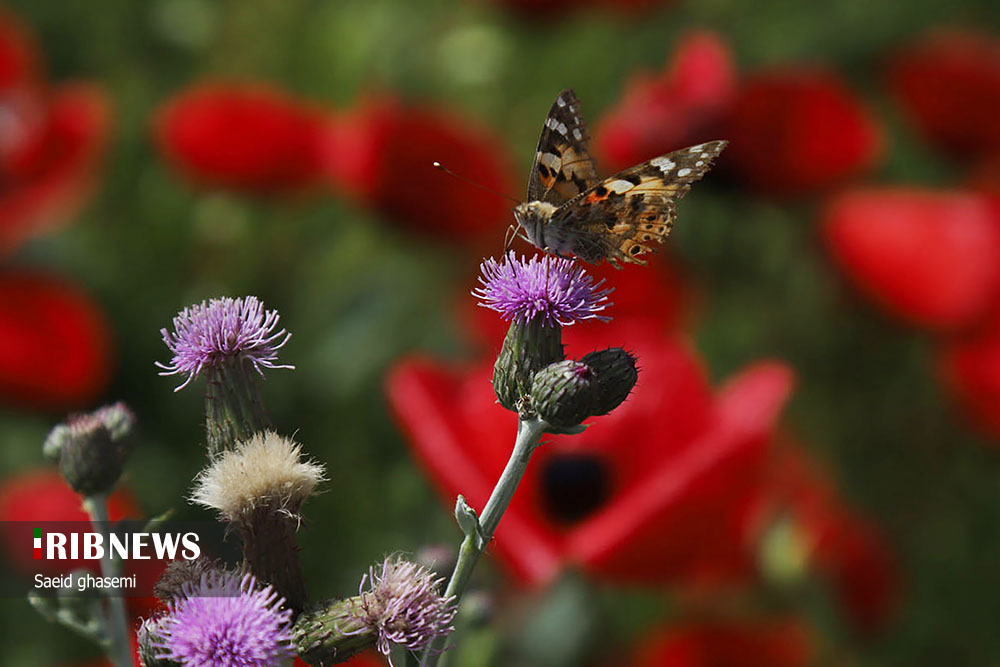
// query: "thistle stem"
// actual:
[[529, 432], [119, 650]]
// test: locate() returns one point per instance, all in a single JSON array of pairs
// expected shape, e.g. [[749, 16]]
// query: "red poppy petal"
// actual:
[[970, 367], [55, 349], [18, 53], [948, 83], [794, 131], [383, 153], [929, 257], [55, 169], [752, 643], [423, 398], [658, 529], [847, 549], [40, 495], [244, 136], [679, 107]]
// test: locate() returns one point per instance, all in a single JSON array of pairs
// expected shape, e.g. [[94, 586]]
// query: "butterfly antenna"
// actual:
[[438, 165]]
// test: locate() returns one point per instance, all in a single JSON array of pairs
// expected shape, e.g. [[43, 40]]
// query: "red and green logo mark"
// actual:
[[38, 543]]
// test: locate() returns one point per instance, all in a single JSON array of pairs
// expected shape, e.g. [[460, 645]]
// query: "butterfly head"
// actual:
[[533, 216]]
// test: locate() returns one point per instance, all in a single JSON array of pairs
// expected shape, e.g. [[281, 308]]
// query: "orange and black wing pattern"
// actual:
[[621, 217]]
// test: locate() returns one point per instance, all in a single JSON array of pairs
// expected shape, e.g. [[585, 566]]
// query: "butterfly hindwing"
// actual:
[[563, 167], [619, 218]]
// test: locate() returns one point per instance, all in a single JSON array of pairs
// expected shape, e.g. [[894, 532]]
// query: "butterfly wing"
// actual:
[[563, 167], [619, 218]]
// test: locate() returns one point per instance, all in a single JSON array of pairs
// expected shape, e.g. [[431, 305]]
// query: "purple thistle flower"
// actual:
[[225, 621], [403, 606], [554, 290], [207, 334]]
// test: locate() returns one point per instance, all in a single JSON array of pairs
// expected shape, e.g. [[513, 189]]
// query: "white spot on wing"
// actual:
[[619, 186], [683, 172], [695, 149], [560, 101], [562, 129], [663, 164], [550, 161], [577, 134], [699, 163], [704, 156]]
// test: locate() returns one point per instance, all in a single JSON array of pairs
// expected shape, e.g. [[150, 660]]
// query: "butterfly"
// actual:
[[569, 210]]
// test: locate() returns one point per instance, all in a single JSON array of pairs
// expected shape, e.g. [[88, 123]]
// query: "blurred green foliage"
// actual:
[[357, 293]]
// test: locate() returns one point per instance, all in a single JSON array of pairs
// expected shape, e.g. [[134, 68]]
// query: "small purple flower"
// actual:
[[207, 334], [554, 290], [403, 606], [225, 621]]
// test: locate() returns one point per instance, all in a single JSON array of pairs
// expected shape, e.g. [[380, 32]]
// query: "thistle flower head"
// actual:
[[403, 606], [210, 333], [225, 621], [267, 470], [552, 290]]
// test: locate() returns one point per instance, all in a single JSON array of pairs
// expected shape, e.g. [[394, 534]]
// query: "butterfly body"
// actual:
[[569, 210]]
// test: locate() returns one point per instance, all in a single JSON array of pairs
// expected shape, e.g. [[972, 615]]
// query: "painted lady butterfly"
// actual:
[[570, 210]]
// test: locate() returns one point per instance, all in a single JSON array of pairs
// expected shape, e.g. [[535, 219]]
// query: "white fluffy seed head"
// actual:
[[265, 471]]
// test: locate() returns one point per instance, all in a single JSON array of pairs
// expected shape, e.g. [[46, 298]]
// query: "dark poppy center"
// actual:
[[573, 486]]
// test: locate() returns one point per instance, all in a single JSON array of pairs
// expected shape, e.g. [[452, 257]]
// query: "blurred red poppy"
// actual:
[[382, 153], [51, 140], [930, 257], [659, 491], [797, 130], [41, 495], [55, 348], [675, 108], [948, 84], [246, 136], [970, 367], [791, 130], [728, 643], [847, 550]]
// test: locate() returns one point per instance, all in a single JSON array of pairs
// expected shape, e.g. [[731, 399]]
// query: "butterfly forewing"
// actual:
[[563, 167], [618, 218]]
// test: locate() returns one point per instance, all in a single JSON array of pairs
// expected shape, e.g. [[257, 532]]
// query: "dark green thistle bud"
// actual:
[[565, 393], [616, 375], [91, 449], [90, 461], [527, 348], [116, 418]]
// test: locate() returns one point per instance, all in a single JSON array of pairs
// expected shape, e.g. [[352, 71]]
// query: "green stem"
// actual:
[[529, 432], [119, 650]]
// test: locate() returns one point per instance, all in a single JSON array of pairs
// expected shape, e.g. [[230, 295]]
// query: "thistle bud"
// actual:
[[564, 393], [527, 348], [616, 375], [89, 460]]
